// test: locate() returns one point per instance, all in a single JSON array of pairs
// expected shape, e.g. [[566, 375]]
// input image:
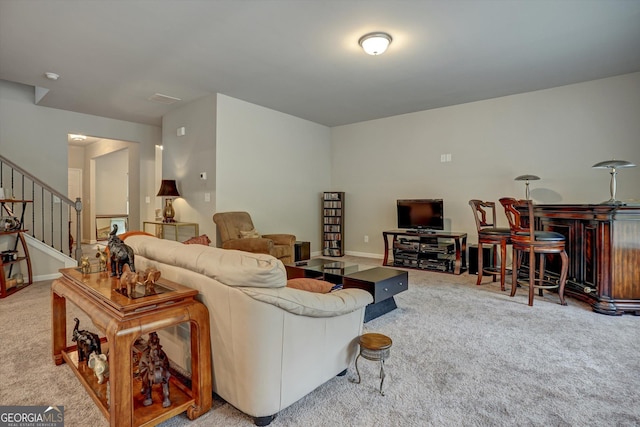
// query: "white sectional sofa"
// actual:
[[271, 345]]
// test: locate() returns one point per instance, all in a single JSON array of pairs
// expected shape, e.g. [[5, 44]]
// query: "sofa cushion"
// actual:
[[310, 285], [233, 268], [199, 240], [312, 304]]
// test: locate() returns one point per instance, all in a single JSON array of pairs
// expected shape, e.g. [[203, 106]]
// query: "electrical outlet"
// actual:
[[366, 238], [207, 197]]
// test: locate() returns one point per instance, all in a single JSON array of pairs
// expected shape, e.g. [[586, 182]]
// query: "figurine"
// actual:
[[88, 342], [85, 267], [149, 278], [128, 281], [102, 254], [98, 363], [10, 223], [154, 369], [121, 254]]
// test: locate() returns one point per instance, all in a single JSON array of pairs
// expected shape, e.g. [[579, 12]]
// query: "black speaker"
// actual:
[[487, 257]]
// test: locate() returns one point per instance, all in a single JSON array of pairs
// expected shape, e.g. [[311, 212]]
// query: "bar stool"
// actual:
[[485, 216], [374, 347], [524, 238]]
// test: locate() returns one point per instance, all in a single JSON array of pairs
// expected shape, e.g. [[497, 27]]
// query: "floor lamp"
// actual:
[[526, 179], [613, 165]]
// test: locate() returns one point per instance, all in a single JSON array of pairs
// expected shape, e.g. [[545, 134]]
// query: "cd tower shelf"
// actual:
[[333, 223]]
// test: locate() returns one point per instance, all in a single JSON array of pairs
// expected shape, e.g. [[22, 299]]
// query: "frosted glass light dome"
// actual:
[[375, 43]]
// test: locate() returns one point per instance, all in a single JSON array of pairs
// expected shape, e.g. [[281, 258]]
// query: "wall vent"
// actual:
[[163, 99]]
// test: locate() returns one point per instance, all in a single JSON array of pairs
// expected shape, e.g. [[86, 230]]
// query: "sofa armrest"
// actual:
[[311, 304], [281, 239], [256, 245]]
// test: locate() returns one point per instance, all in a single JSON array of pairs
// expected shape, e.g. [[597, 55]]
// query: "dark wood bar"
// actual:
[[603, 244]]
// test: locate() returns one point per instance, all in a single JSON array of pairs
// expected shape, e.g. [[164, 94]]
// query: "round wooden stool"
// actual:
[[374, 347]]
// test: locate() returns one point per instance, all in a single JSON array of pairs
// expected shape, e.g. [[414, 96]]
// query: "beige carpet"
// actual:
[[461, 355]]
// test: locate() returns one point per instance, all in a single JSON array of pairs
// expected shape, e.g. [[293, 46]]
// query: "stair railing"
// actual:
[[48, 217]]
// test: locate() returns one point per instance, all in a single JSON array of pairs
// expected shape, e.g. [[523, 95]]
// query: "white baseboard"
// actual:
[[364, 254], [44, 277], [361, 254]]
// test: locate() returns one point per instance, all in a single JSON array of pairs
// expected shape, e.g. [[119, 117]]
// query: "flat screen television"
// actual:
[[421, 214]]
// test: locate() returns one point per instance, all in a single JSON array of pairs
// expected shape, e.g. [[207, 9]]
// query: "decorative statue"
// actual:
[[88, 342], [154, 369], [128, 281], [121, 254], [149, 278], [98, 363], [102, 254], [85, 267]]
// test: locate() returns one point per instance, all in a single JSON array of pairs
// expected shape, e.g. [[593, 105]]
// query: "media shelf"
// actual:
[[333, 223], [441, 251]]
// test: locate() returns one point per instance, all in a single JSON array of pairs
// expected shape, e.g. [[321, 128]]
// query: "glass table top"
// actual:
[[337, 268]]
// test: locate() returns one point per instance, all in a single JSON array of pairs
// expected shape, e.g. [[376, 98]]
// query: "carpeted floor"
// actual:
[[462, 356]]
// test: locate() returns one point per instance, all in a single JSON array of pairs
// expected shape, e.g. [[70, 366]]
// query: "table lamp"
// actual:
[[613, 165], [526, 179], [168, 189]]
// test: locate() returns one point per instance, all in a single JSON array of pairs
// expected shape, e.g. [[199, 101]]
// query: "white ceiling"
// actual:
[[302, 57]]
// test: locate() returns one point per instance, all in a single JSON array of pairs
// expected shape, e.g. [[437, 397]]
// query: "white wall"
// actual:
[[274, 166], [557, 134], [101, 181], [184, 157], [112, 182]]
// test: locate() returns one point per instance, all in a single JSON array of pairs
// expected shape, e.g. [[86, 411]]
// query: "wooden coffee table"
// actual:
[[382, 282], [123, 321]]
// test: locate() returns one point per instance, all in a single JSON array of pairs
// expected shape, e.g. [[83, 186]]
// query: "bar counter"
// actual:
[[603, 244]]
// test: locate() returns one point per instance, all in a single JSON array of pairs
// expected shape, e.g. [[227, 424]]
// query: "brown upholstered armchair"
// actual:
[[236, 231]]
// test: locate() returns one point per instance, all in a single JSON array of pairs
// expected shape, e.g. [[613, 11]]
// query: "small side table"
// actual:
[[374, 347], [176, 227]]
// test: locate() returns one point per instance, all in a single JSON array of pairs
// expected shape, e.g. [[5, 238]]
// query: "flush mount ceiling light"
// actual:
[[375, 43], [52, 76], [75, 137]]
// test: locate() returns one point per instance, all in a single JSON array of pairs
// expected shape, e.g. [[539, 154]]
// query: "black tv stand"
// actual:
[[422, 231], [425, 249]]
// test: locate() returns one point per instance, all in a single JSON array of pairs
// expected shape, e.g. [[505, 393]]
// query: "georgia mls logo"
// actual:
[[31, 416]]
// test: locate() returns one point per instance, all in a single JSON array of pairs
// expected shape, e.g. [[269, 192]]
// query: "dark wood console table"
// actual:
[[444, 251], [123, 320], [603, 244]]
